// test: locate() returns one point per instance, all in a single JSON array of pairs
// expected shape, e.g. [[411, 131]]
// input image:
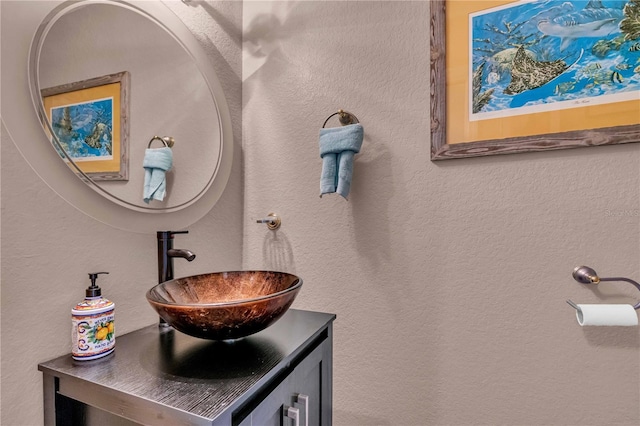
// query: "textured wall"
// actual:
[[450, 278], [48, 246]]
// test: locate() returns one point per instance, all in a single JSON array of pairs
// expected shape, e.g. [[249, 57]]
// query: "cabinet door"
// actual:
[[270, 411], [306, 388], [305, 394]]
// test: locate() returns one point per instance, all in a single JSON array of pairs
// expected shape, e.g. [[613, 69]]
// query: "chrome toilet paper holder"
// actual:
[[586, 275]]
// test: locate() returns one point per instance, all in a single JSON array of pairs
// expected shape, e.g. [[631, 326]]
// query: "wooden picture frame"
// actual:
[[547, 130], [90, 120]]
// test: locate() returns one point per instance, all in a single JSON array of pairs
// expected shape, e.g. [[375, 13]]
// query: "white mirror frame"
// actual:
[[25, 128]]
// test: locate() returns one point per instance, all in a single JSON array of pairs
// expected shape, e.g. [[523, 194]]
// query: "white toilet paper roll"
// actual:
[[603, 314]]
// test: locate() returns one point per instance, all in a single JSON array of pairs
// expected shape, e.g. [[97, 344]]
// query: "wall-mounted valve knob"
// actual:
[[272, 220]]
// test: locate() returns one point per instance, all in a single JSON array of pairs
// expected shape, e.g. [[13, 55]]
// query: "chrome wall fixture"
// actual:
[[272, 220], [586, 275]]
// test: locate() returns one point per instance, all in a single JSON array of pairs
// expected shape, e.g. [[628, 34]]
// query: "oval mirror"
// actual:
[[114, 84]]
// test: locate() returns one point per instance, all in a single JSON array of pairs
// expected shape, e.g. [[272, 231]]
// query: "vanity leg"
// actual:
[[49, 385], [327, 380], [59, 409]]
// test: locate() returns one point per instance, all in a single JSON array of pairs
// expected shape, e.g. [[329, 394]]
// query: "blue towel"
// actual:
[[338, 146], [156, 163]]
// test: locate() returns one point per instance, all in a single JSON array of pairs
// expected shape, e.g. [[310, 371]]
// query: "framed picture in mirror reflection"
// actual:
[[89, 120]]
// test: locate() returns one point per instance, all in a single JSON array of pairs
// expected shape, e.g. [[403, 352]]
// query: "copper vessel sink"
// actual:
[[225, 305]]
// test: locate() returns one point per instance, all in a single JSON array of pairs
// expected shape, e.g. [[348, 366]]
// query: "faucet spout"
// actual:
[[185, 254], [166, 253]]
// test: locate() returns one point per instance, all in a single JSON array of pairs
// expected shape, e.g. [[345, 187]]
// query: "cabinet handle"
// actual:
[[293, 414], [302, 398]]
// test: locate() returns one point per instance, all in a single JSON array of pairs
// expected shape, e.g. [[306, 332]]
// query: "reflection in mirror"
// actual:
[[169, 96], [90, 119]]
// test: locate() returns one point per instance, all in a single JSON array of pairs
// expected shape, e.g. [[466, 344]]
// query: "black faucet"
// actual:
[[166, 253]]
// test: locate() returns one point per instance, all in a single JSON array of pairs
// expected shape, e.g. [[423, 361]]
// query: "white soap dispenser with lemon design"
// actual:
[[92, 324]]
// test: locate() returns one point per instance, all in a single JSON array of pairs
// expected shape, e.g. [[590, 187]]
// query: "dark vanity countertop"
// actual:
[[165, 369]]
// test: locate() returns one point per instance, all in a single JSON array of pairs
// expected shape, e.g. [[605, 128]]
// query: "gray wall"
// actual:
[[449, 279]]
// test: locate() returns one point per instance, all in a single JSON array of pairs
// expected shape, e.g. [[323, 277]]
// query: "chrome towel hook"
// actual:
[[272, 220], [168, 141], [345, 118]]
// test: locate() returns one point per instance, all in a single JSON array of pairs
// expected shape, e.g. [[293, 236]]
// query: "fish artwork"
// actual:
[[565, 87], [528, 73], [595, 20], [93, 140], [616, 77], [64, 127], [593, 67], [548, 55]]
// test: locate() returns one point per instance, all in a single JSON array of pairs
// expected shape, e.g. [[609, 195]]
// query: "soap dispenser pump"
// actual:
[[92, 324]]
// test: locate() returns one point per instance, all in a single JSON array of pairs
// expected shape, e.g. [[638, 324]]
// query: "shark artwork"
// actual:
[[594, 21], [535, 56], [545, 55]]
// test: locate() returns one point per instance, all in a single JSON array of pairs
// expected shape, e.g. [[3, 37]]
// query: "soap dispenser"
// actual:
[[92, 324]]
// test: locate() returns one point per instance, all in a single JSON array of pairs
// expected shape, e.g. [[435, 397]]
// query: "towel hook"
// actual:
[[586, 275], [345, 118], [168, 141], [272, 220]]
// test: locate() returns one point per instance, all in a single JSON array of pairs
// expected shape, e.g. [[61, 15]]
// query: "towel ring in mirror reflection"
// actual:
[[168, 141], [345, 118]]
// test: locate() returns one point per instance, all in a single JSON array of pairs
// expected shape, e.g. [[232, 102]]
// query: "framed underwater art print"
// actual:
[[533, 75], [90, 122]]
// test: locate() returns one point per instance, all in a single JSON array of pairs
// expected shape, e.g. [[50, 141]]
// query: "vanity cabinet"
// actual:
[[297, 400], [280, 376]]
